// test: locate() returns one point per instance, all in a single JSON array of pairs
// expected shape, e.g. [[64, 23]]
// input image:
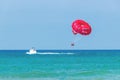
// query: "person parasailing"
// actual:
[[80, 27]]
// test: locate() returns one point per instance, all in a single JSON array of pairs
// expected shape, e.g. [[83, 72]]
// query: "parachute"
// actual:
[[80, 27]]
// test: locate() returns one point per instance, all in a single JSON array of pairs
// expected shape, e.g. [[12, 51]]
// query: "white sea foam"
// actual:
[[43, 53]]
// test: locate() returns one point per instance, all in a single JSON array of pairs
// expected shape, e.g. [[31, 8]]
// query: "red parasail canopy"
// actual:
[[81, 27]]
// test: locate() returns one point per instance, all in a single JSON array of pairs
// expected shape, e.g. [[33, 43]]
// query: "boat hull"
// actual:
[[31, 53]]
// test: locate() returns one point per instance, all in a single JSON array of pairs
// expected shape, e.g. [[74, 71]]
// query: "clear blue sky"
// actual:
[[46, 24]]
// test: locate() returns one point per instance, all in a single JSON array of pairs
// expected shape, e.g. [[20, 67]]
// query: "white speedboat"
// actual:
[[32, 51]]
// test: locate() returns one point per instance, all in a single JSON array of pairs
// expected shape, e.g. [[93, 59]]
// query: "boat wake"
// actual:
[[52, 53]]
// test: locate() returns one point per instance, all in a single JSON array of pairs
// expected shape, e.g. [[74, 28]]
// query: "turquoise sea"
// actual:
[[60, 65]]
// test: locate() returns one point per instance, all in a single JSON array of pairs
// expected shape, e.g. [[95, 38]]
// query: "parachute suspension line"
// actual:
[[75, 40]]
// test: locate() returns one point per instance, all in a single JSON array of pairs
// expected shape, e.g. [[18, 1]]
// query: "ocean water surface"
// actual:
[[60, 65]]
